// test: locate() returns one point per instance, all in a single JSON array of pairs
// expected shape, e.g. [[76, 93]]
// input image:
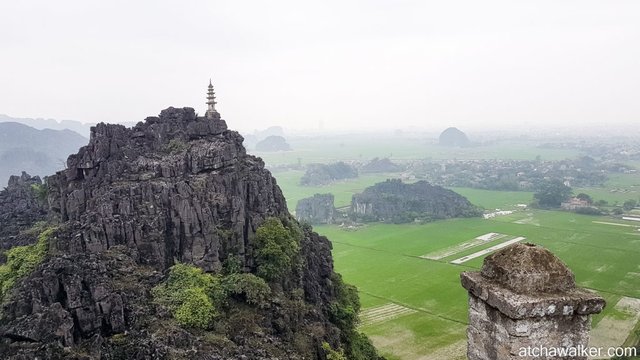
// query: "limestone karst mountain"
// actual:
[[273, 143], [96, 277], [398, 202], [378, 165], [453, 137], [317, 209]]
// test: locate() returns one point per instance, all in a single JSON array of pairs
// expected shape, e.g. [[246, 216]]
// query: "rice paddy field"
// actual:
[[408, 275], [325, 149], [387, 263]]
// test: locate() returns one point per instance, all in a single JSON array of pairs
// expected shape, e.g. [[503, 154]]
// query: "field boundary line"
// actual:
[[417, 309], [464, 246], [384, 313], [488, 250], [398, 254], [612, 223]]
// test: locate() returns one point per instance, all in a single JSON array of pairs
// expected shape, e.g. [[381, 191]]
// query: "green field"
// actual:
[[617, 189], [382, 261], [320, 149], [289, 181], [415, 308]]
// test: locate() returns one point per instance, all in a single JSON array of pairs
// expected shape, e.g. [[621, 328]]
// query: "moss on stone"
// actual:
[[22, 260]]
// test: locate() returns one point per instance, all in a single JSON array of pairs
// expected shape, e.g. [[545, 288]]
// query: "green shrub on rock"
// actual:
[[191, 295], [277, 248], [344, 314], [196, 309], [196, 298], [332, 354], [254, 289], [22, 260]]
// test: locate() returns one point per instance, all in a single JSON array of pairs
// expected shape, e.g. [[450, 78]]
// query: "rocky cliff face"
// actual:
[[20, 208], [318, 209], [174, 189]]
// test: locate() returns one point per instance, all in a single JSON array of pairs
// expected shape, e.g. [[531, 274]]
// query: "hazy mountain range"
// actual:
[[38, 152], [41, 124]]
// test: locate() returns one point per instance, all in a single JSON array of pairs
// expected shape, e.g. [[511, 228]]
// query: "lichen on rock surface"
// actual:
[[134, 202]]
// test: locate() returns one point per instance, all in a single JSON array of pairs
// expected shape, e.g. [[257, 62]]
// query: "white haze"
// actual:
[[326, 64]]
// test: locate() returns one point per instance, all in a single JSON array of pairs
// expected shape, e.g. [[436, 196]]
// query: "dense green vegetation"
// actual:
[[277, 248], [551, 194], [22, 260], [192, 296], [344, 313], [247, 287], [196, 298], [41, 191]]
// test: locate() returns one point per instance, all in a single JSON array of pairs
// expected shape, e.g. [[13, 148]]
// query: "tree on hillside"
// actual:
[[629, 205], [552, 193], [585, 197]]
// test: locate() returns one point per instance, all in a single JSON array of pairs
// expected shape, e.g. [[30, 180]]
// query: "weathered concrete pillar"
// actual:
[[524, 304]]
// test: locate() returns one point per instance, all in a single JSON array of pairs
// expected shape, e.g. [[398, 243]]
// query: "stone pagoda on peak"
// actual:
[[211, 113]]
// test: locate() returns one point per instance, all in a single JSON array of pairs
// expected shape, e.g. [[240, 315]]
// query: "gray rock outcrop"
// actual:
[[20, 208], [398, 202], [132, 203], [318, 209]]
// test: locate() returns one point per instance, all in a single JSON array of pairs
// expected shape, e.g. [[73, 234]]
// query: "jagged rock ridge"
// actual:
[[19, 210], [133, 202]]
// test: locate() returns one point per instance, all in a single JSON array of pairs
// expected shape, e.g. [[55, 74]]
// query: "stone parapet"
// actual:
[[525, 297]]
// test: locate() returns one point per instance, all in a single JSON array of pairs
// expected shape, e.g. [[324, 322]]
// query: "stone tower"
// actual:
[[524, 304], [211, 113]]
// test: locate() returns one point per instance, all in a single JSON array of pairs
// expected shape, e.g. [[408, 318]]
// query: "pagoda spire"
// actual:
[[211, 113]]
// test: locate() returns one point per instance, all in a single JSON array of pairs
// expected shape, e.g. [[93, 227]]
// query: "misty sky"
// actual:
[[343, 64]]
